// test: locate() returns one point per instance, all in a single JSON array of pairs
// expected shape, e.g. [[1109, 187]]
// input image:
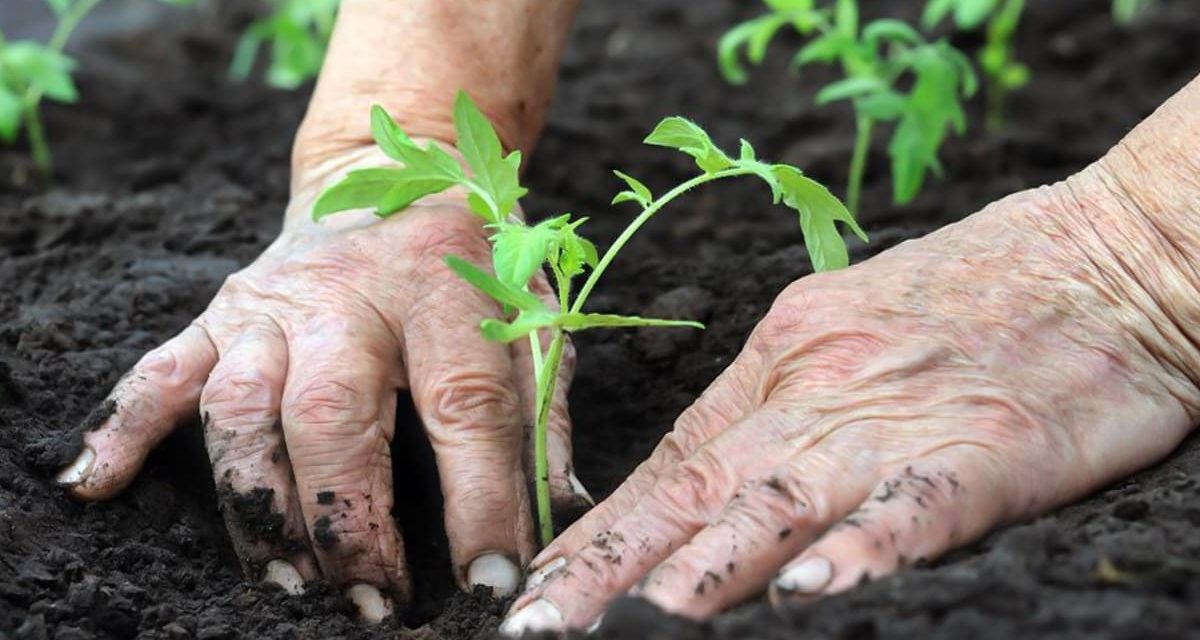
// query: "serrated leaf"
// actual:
[[387, 190], [581, 321], [10, 114], [495, 289], [496, 175], [850, 88], [42, 68], [638, 192], [819, 211], [430, 162], [746, 151], [683, 134], [764, 171], [518, 251]]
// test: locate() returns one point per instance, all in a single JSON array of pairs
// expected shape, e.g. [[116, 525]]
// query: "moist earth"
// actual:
[[170, 178]]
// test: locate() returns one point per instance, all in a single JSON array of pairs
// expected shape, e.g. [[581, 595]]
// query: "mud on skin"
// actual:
[[139, 235]]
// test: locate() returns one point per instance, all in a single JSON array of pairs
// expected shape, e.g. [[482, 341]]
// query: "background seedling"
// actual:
[[1125, 11], [520, 250], [31, 71], [1002, 73], [297, 32], [874, 61]]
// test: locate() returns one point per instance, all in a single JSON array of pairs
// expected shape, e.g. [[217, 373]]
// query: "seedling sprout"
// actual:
[[519, 250]]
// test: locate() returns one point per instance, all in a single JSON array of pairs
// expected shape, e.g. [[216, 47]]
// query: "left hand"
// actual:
[[884, 414]]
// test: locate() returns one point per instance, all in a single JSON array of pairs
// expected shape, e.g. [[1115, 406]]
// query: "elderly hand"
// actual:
[[295, 367], [882, 415]]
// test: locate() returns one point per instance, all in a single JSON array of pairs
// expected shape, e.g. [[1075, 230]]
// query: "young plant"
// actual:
[[31, 71], [1002, 73], [875, 61], [520, 250], [298, 32]]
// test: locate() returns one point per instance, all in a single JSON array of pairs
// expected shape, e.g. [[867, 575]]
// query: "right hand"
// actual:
[[295, 366]]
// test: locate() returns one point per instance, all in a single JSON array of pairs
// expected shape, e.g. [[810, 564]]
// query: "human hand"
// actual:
[[882, 415], [295, 366]]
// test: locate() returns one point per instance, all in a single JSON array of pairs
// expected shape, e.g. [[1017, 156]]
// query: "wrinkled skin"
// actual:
[[884, 414], [295, 367]]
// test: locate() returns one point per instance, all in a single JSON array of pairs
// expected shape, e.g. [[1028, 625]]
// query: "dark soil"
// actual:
[[170, 178]]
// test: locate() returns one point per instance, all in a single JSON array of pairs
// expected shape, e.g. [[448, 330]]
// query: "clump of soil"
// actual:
[[170, 178]]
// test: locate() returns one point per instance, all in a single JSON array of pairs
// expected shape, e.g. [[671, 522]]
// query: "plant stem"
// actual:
[[32, 99], [545, 394], [858, 161], [1001, 29], [637, 223], [38, 148]]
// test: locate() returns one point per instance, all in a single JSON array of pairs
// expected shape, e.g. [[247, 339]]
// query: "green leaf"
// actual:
[[728, 52], [10, 114], [683, 134], [573, 251], [581, 321], [891, 30], [518, 250], [745, 151], [59, 6], [825, 48], [850, 88], [500, 292], [638, 192], [819, 211], [41, 67], [494, 173], [244, 55], [936, 11], [969, 14], [883, 106], [525, 323], [846, 18], [387, 190]]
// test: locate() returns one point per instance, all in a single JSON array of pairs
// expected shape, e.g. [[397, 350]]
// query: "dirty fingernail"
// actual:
[[372, 606], [282, 573], [495, 571], [808, 577], [79, 470], [539, 615], [540, 575], [578, 489]]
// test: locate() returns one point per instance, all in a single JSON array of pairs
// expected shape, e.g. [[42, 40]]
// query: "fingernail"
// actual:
[[807, 578], [372, 606], [79, 470], [595, 626], [539, 615], [578, 489], [543, 573], [495, 571], [282, 573]]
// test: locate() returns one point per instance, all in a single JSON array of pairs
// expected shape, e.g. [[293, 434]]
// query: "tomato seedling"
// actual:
[[31, 71], [875, 60], [1002, 72], [297, 32], [520, 250]]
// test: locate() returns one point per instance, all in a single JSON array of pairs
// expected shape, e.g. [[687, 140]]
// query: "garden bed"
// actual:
[[170, 178]]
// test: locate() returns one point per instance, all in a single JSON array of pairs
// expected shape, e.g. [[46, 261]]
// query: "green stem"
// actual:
[[33, 95], [858, 161], [545, 394], [637, 223], [42, 160]]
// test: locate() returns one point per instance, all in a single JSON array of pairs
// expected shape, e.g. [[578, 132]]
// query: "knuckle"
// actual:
[[695, 491], [476, 399], [433, 237], [325, 400], [234, 393]]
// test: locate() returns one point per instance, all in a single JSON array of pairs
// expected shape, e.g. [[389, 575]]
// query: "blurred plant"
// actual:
[[298, 32], [1002, 73], [519, 250], [31, 71], [876, 61], [1125, 11]]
